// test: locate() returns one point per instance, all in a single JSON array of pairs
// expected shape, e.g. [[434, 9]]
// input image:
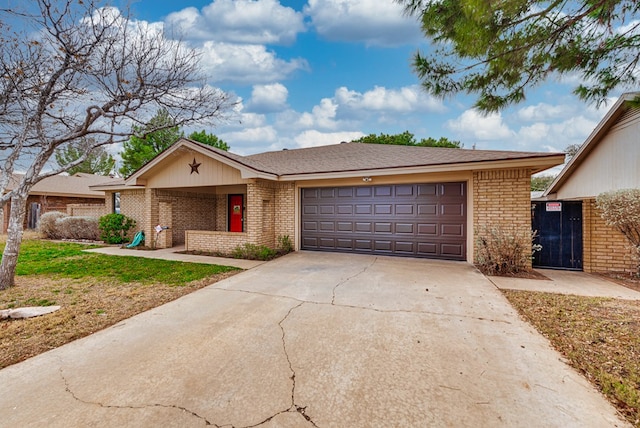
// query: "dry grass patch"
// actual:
[[600, 337], [94, 290]]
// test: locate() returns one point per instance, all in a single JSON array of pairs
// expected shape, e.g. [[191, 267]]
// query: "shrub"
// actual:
[[501, 252], [253, 252], [78, 228], [47, 224], [621, 209], [285, 246], [114, 228]]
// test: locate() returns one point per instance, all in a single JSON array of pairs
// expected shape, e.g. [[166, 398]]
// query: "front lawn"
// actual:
[[94, 290], [600, 337]]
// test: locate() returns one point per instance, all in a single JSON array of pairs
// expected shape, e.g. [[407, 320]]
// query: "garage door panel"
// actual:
[[428, 229], [427, 249], [405, 209], [453, 189], [452, 230], [405, 190], [327, 192], [363, 209], [363, 244], [452, 250], [385, 227], [383, 209], [424, 220], [427, 209], [383, 246], [327, 226], [382, 191], [344, 226], [457, 210], [427, 189], [404, 228], [345, 192], [310, 209], [309, 226], [363, 192]]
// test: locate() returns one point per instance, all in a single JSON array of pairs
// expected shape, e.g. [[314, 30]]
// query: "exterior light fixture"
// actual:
[[366, 179]]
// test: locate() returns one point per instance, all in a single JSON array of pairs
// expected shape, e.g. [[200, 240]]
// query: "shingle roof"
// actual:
[[360, 156], [69, 185]]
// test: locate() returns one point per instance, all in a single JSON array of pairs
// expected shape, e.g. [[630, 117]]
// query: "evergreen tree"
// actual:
[[147, 141], [98, 160], [209, 139]]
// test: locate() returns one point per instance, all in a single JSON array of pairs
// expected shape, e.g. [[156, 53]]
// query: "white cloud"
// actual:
[[246, 63], [268, 98], [314, 138], [263, 134], [239, 21], [374, 22], [476, 126], [381, 99], [543, 111]]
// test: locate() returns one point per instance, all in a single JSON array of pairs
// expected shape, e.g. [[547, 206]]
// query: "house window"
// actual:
[[116, 202]]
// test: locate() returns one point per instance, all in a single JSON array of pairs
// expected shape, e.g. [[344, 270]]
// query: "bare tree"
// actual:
[[69, 70]]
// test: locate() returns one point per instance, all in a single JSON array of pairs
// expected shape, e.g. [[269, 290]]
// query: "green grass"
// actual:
[[67, 260]]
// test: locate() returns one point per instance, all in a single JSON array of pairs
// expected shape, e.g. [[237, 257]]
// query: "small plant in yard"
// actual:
[[621, 209], [253, 252], [285, 246], [503, 252], [114, 228]]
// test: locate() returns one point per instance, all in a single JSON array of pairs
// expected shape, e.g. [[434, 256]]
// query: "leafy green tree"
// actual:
[[98, 160], [540, 183], [441, 142], [149, 140], [209, 139], [499, 50], [407, 139]]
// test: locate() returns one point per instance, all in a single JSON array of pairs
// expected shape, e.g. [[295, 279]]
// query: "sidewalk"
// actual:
[[567, 282], [171, 254]]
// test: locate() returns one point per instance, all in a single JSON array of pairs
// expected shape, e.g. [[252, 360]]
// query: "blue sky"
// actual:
[[324, 71]]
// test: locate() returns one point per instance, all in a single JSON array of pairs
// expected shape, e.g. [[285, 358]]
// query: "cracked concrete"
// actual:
[[313, 340]]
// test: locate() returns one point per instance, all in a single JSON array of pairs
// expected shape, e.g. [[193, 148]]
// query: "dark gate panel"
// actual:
[[418, 220], [559, 229]]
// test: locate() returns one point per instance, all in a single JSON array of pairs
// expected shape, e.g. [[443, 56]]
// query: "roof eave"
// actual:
[[590, 143], [536, 164]]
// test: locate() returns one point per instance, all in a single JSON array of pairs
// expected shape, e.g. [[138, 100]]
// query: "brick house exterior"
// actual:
[[608, 160], [64, 193], [194, 202]]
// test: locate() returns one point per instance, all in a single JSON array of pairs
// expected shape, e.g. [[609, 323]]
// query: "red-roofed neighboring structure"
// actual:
[[349, 197]]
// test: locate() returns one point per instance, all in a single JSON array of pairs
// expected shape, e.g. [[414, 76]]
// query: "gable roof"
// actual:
[[358, 157], [347, 159], [620, 107], [77, 185]]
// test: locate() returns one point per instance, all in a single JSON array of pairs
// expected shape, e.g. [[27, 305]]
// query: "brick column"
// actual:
[[502, 198]]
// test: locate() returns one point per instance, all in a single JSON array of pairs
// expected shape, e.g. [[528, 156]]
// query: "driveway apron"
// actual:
[[313, 339]]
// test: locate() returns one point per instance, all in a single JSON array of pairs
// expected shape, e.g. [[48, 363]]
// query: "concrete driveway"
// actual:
[[313, 339]]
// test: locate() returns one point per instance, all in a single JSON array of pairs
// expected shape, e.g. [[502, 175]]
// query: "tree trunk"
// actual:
[[14, 239]]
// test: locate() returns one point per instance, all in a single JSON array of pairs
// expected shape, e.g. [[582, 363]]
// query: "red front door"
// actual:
[[236, 212]]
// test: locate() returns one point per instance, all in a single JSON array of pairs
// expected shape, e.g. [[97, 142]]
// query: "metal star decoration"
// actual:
[[194, 166]]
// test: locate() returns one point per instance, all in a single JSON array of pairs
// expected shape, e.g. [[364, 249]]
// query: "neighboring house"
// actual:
[[66, 193], [572, 232], [349, 197]]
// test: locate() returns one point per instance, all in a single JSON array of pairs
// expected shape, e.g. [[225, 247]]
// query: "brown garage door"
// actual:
[[418, 220]]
